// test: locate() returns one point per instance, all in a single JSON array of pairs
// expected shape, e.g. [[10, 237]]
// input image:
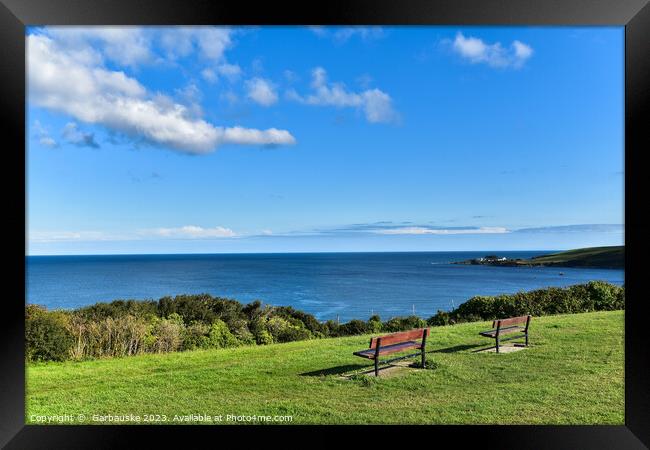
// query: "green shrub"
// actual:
[[239, 329], [167, 334], [353, 327], [403, 323], [299, 318], [196, 335], [118, 308], [592, 296], [374, 324], [332, 328], [220, 336], [264, 337], [440, 319], [284, 331], [47, 337], [260, 332]]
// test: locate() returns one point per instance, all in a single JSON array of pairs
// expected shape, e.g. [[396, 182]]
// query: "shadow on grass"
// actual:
[[338, 370], [456, 348]]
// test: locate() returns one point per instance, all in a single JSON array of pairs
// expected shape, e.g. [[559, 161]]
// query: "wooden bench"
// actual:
[[395, 343], [507, 327]]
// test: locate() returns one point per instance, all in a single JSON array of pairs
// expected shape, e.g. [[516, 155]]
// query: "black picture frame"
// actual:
[[634, 15]]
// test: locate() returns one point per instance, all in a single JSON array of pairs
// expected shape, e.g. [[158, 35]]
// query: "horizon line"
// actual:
[[315, 252]]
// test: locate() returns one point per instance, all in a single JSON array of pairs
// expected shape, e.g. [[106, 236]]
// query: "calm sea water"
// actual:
[[348, 285]]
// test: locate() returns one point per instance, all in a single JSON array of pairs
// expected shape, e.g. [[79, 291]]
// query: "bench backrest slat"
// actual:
[[402, 336], [510, 321]]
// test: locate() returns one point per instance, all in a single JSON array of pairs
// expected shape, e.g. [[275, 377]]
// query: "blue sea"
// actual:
[[328, 285]]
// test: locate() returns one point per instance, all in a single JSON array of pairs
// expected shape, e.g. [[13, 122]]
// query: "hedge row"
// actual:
[[186, 322]]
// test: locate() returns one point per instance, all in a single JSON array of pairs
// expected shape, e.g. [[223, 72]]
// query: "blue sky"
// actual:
[[274, 139]]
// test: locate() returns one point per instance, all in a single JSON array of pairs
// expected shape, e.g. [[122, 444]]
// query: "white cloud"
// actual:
[[578, 228], [231, 71], [376, 104], [48, 142], [290, 76], [261, 91], [192, 232], [522, 51], [190, 96], [73, 83], [127, 46], [230, 97], [440, 231], [59, 236], [319, 30], [495, 55], [342, 35], [184, 232], [73, 135], [209, 75], [43, 135], [270, 137], [211, 42], [365, 33]]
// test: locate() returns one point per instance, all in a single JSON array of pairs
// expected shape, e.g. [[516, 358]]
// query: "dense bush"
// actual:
[[283, 330], [167, 334], [220, 336], [403, 323], [353, 327], [441, 318], [46, 334], [119, 308], [374, 324], [196, 335], [186, 322], [592, 296]]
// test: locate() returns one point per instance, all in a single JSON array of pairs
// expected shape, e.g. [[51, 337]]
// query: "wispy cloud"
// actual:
[[43, 135], [444, 231], [477, 51], [580, 228], [390, 228], [183, 232], [68, 236], [261, 91], [376, 105], [74, 81], [73, 135], [125, 46], [342, 35], [383, 228], [191, 232], [395, 228], [231, 72], [210, 42]]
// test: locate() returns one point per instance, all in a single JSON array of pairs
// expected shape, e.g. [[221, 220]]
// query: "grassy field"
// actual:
[[573, 373], [585, 257]]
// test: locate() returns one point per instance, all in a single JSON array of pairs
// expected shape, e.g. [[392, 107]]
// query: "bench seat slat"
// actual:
[[492, 333], [385, 350]]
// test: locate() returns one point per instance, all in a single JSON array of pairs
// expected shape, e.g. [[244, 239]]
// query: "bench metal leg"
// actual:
[[376, 367], [497, 338], [424, 358]]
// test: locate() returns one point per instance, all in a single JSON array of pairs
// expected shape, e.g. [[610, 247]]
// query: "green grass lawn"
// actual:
[[573, 373]]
